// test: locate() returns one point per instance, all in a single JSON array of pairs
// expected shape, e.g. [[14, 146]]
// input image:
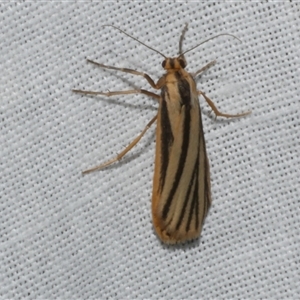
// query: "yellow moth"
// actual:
[[181, 194]]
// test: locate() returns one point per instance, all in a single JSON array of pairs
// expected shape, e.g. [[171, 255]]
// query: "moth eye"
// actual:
[[163, 63], [182, 63]]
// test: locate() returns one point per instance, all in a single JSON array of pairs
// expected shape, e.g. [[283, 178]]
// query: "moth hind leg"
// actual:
[[122, 153]]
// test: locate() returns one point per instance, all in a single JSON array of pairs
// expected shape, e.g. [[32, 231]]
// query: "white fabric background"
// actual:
[[68, 236]]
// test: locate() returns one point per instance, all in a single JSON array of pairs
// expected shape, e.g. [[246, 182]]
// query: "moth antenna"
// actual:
[[182, 38], [209, 40], [135, 39]]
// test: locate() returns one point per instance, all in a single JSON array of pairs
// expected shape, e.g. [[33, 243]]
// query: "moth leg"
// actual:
[[204, 68], [217, 112], [127, 149], [134, 72], [109, 94]]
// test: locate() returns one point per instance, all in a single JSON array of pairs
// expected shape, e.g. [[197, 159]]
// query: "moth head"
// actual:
[[174, 63]]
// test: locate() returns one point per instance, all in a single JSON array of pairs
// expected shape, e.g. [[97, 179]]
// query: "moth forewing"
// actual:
[[181, 195], [181, 184]]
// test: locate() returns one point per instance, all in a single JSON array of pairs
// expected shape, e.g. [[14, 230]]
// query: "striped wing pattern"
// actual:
[[181, 189]]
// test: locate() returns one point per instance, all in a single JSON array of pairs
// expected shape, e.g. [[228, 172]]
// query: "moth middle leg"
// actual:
[[114, 93]]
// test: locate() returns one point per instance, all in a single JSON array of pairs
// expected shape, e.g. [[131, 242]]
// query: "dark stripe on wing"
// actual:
[[197, 210], [207, 191], [192, 182], [184, 90], [207, 196], [166, 137], [195, 199]]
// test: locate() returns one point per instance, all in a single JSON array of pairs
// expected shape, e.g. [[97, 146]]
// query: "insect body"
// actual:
[[181, 194], [181, 189]]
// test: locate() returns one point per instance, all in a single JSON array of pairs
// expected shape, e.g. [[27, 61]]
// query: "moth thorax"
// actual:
[[174, 63]]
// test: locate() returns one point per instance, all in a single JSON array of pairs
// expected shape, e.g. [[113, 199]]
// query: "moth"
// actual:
[[181, 195]]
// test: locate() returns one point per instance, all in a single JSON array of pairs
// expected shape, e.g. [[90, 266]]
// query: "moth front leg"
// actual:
[[130, 71], [217, 112], [203, 69]]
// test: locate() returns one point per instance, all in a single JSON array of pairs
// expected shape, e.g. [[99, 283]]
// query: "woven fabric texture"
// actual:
[[69, 236]]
